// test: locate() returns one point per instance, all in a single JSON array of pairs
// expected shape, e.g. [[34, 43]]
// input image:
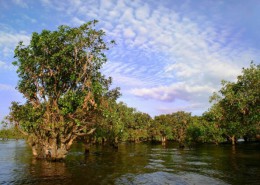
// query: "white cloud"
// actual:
[[8, 41], [5, 66], [128, 81], [20, 3], [142, 12], [188, 107], [32, 20], [180, 90], [128, 33], [77, 21], [5, 87], [105, 4]]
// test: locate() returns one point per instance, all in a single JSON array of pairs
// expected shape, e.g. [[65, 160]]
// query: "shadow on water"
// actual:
[[133, 164]]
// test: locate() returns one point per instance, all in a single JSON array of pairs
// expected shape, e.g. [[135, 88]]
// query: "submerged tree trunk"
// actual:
[[53, 149], [86, 148], [233, 140], [163, 140], [115, 143]]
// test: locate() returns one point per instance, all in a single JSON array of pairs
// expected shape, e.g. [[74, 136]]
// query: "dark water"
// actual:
[[134, 164]]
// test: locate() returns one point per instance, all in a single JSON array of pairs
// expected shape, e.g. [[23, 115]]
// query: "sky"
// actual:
[[171, 55]]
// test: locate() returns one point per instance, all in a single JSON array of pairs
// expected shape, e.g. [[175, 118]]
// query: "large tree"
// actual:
[[237, 105], [60, 79]]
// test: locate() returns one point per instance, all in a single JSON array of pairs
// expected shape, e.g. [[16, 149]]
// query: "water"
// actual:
[[134, 164]]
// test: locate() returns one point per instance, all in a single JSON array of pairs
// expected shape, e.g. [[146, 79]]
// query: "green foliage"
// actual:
[[26, 115], [202, 130], [162, 127], [10, 132], [59, 76], [237, 106], [123, 123], [171, 126]]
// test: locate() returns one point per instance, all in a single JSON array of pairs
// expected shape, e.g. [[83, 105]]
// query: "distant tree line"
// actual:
[[235, 114], [10, 132]]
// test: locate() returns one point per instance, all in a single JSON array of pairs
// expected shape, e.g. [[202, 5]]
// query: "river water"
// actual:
[[134, 164]]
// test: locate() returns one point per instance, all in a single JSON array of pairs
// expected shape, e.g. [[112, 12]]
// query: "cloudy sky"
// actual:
[[170, 54]]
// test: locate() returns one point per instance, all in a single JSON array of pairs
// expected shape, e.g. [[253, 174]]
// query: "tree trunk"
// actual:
[[115, 143], [246, 139], [257, 137], [50, 148], [233, 140], [87, 147], [163, 140]]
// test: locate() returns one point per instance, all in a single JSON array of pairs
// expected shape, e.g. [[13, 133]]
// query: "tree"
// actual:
[[7, 132], [161, 129], [203, 129], [142, 123], [111, 125], [238, 104], [61, 81], [123, 123], [180, 123]]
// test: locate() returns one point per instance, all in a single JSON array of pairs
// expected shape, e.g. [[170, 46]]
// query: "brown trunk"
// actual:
[[87, 147], [115, 143], [103, 141], [233, 140], [50, 151], [257, 137], [163, 140], [50, 148]]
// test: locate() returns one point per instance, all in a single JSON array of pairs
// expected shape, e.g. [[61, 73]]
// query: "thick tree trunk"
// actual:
[[50, 148]]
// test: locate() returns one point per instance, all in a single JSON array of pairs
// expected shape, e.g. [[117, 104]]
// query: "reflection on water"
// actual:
[[134, 164]]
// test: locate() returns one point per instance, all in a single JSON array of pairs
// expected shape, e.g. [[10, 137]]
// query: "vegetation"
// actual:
[[68, 98], [9, 132], [237, 105], [60, 78], [122, 123], [234, 114]]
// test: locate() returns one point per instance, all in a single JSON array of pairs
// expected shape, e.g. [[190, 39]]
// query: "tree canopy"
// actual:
[[59, 76], [237, 105]]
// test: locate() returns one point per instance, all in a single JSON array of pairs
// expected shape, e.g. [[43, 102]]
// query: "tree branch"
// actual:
[[88, 133]]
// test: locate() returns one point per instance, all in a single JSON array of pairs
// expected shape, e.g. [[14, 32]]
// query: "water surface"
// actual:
[[134, 164]]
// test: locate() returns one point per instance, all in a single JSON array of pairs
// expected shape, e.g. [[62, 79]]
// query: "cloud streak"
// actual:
[[6, 66], [180, 90], [6, 87]]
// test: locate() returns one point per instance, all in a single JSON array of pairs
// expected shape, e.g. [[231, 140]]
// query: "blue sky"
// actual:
[[170, 55]]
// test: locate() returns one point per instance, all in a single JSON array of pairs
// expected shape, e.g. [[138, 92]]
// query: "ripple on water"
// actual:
[[197, 163], [164, 178]]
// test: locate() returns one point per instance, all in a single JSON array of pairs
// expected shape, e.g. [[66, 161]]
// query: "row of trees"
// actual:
[[235, 114], [10, 133], [68, 98]]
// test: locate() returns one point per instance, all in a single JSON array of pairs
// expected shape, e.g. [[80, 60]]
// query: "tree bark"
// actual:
[[233, 140], [51, 148], [163, 140]]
